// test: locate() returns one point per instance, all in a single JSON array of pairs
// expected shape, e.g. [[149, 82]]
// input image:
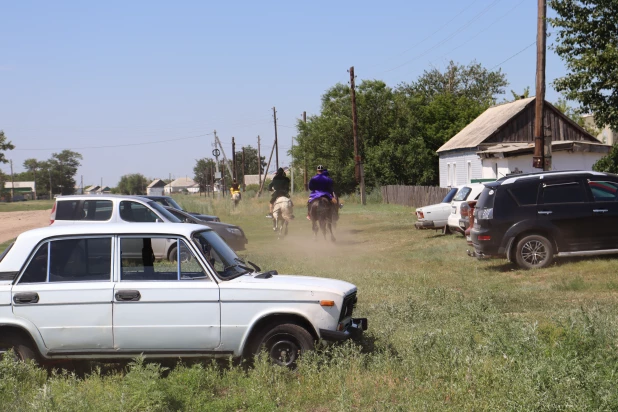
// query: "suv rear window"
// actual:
[[486, 199], [570, 192], [525, 194], [65, 209], [462, 194]]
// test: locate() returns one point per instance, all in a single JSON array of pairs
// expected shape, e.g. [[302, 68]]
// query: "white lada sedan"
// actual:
[[82, 292]]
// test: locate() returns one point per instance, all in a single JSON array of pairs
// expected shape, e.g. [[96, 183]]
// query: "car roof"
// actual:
[[549, 174], [26, 241], [100, 197]]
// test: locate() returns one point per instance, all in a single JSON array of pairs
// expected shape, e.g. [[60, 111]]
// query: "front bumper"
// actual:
[[354, 331]]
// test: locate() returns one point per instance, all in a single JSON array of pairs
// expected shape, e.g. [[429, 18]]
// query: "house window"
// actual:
[[454, 174], [448, 174], [469, 171]]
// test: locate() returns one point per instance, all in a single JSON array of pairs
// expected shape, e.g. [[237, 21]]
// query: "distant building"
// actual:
[[155, 188], [501, 142], [21, 190], [179, 185], [97, 190]]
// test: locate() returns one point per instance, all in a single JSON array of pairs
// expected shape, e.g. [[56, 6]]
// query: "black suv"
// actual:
[[169, 202], [531, 218]]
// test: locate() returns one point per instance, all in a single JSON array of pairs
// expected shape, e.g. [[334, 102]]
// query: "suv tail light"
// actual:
[[52, 217], [485, 213]]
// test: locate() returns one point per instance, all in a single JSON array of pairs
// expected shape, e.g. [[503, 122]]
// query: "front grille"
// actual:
[[349, 302]]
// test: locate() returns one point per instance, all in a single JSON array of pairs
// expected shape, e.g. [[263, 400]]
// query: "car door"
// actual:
[[66, 291], [604, 220], [164, 305], [564, 206]]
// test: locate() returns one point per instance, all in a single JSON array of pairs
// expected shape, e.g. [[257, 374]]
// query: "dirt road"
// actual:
[[14, 223]]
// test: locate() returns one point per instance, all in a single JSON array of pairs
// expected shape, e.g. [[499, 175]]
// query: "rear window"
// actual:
[[524, 195], [462, 194], [450, 195], [570, 192], [65, 209], [97, 210], [486, 200]]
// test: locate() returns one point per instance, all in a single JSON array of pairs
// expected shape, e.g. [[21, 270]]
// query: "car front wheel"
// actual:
[[284, 344], [534, 252]]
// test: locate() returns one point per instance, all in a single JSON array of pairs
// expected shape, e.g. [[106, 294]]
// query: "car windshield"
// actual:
[[161, 210], [223, 259], [462, 194], [450, 195], [173, 203]]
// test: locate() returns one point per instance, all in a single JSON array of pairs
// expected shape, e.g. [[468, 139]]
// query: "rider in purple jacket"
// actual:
[[320, 185]]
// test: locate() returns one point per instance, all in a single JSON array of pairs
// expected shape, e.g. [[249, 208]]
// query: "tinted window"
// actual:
[[65, 209], [37, 268], [136, 212], [99, 210], [571, 192], [163, 212], [74, 260], [450, 195], [603, 191], [462, 194], [525, 194]]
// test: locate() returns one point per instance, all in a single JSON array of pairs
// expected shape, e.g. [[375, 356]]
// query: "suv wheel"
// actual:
[[21, 349], [534, 252], [284, 344]]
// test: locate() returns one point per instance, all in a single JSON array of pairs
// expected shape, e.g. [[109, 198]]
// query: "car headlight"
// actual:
[[234, 231]]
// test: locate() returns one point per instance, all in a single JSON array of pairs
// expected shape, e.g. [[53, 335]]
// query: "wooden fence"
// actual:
[[413, 196]]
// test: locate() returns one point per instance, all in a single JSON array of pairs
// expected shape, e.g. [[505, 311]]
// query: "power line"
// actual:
[[440, 43], [121, 145], [519, 52]]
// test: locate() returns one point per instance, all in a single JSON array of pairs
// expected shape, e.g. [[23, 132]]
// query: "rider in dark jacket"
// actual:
[[321, 185], [281, 186]]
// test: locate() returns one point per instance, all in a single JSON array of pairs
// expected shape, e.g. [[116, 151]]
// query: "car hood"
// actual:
[[295, 282]]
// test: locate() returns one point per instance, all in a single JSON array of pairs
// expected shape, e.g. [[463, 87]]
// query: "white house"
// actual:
[[501, 141], [155, 188], [179, 185]]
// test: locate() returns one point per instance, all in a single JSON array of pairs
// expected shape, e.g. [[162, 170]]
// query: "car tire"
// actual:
[[184, 257], [284, 344], [22, 350], [534, 252]]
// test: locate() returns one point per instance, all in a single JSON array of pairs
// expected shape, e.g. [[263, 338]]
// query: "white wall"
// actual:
[[463, 167], [560, 161], [154, 191]]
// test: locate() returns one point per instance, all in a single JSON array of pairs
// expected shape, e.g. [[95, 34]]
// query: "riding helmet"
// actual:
[[321, 168]]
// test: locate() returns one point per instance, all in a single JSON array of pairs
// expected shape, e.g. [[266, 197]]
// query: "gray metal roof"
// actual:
[[485, 125]]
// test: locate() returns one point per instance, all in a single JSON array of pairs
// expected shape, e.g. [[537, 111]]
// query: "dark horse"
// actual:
[[325, 213]]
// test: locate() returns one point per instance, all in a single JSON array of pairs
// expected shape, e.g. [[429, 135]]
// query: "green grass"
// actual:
[[5, 245], [446, 332], [27, 205]]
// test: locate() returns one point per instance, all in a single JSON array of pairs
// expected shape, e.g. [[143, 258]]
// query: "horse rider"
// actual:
[[281, 186], [235, 188], [321, 185]]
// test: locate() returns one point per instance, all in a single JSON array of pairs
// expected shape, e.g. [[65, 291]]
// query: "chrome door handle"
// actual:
[[545, 212], [599, 211]]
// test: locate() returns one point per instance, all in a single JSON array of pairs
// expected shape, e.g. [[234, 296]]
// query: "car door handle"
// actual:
[[26, 297], [545, 212], [128, 295], [599, 211]]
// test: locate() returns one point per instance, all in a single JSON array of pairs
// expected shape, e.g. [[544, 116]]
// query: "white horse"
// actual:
[[282, 214], [235, 198]]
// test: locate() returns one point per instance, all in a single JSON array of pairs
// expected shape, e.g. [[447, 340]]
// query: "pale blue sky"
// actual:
[[77, 74]]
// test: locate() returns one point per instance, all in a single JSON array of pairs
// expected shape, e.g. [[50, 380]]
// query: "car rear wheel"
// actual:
[[534, 252], [20, 348], [284, 344]]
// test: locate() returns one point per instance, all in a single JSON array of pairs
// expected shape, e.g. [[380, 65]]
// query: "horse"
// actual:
[[282, 214], [236, 198], [324, 212]]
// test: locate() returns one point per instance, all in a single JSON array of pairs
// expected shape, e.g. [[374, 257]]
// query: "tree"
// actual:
[[575, 114], [32, 165], [132, 184], [524, 95], [203, 172], [251, 162], [4, 146], [608, 163], [586, 41], [63, 167]]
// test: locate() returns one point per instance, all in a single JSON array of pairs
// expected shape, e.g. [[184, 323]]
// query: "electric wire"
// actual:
[[516, 54]]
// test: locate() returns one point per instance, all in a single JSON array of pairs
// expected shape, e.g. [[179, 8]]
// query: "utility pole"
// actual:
[[259, 164], [50, 184], [234, 176], [266, 172], [215, 152], [305, 177], [292, 168], [212, 181], [243, 169], [276, 141], [81, 184], [12, 183], [358, 164], [226, 164], [542, 143]]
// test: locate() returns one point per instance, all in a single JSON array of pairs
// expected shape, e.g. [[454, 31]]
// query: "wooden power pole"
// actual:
[[542, 148], [259, 164], [12, 184], [243, 168], [234, 176], [358, 164], [276, 141], [266, 172], [305, 177]]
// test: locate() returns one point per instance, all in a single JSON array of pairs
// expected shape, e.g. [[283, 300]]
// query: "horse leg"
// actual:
[[285, 233], [274, 223], [330, 229], [315, 229], [323, 227]]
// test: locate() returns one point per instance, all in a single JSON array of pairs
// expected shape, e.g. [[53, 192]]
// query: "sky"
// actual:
[[140, 86]]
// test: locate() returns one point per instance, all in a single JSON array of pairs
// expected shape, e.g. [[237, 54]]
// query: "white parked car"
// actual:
[[468, 192], [80, 292], [435, 216]]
